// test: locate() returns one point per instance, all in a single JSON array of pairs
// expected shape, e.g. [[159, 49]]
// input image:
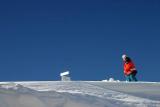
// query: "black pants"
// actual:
[[132, 77]]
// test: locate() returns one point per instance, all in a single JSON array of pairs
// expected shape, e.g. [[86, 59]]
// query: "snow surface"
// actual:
[[64, 73], [79, 94]]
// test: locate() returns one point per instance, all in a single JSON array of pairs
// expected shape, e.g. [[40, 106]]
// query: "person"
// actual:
[[129, 69]]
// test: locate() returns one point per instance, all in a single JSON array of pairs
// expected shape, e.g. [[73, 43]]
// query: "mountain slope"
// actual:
[[79, 94]]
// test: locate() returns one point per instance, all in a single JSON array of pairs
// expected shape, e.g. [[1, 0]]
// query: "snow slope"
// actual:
[[79, 94]]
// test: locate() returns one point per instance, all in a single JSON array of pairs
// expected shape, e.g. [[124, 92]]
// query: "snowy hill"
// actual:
[[79, 94]]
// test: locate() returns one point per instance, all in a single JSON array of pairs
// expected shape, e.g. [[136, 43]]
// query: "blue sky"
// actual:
[[40, 39]]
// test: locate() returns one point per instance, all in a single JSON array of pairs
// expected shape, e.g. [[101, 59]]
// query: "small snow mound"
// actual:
[[105, 80], [111, 80]]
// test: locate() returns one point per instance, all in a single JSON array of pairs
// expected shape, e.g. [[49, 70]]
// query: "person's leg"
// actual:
[[133, 77], [128, 78]]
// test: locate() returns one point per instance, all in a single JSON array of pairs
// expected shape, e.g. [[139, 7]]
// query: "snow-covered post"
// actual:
[[65, 76]]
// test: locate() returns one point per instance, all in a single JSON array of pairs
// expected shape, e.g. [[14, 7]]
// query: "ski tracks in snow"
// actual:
[[94, 92]]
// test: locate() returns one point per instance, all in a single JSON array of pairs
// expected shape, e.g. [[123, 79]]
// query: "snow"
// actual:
[[111, 80], [64, 73], [79, 94]]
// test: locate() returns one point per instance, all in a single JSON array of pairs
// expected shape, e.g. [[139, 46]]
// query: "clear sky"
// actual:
[[40, 39]]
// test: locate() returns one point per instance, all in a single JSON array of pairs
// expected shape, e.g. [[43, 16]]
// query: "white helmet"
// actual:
[[124, 56]]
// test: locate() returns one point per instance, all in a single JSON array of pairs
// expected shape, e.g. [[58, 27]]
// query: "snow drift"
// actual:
[[79, 94]]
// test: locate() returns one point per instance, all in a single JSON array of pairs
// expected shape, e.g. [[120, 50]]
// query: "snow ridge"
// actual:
[[78, 94]]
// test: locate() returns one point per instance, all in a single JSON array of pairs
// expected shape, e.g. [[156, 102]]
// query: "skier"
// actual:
[[129, 69]]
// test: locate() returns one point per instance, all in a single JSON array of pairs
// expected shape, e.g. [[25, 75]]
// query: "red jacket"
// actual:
[[129, 68]]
